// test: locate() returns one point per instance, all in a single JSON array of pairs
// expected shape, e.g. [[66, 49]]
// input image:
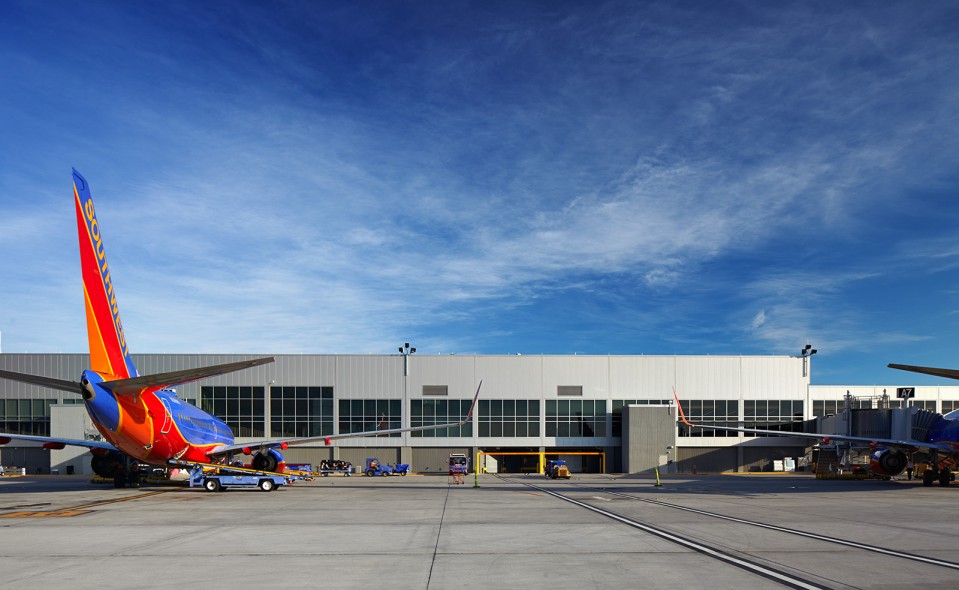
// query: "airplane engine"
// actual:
[[105, 464], [887, 462], [268, 460]]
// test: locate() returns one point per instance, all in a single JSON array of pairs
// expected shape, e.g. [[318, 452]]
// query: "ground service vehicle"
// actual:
[[374, 467], [556, 469], [459, 464], [216, 482], [335, 467]]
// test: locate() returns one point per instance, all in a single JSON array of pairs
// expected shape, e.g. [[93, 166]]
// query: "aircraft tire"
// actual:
[[945, 476], [927, 478]]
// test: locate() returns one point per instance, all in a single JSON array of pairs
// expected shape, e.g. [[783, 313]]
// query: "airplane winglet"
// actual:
[[681, 413], [469, 415]]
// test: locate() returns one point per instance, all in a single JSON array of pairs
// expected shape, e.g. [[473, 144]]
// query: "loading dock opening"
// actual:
[[535, 461]]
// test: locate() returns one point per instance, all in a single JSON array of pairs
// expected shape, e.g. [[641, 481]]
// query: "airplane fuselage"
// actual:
[[155, 426], [944, 431]]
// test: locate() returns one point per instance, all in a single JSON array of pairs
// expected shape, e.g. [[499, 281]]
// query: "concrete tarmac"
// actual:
[[420, 532]]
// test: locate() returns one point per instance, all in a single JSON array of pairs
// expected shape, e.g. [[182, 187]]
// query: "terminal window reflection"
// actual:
[[508, 417], [779, 415], [429, 412], [826, 407], [241, 407], [26, 416], [715, 412], [301, 411], [365, 415], [575, 417]]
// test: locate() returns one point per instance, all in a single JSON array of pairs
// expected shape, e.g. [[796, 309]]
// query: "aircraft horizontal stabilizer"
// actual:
[[61, 384], [136, 385], [947, 373]]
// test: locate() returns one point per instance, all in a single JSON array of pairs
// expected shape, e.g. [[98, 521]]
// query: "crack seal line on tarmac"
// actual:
[[760, 570], [439, 531], [818, 537]]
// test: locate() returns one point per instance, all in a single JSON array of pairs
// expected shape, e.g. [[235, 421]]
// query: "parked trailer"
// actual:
[[215, 482], [335, 467]]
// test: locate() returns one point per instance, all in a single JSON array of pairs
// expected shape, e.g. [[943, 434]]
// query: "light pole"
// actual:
[[805, 353], [406, 351]]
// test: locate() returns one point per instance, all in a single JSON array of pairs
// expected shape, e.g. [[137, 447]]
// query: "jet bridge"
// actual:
[[873, 417]]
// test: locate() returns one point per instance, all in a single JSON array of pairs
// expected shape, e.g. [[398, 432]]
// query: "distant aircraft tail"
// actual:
[[109, 354]]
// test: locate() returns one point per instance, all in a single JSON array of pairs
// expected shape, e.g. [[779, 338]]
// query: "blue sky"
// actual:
[[490, 177]]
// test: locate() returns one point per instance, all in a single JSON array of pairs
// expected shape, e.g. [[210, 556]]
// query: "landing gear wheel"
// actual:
[[267, 485], [928, 477], [945, 476], [211, 485]]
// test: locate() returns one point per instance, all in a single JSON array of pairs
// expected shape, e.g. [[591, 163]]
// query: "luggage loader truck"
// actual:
[[556, 469], [236, 478]]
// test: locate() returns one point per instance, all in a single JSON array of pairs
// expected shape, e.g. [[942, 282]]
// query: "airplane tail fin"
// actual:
[[109, 353]]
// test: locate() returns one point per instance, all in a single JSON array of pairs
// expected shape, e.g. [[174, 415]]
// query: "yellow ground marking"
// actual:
[[76, 510]]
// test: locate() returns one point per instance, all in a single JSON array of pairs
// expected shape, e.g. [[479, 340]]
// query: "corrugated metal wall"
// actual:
[[436, 459], [761, 458], [358, 455], [505, 377], [707, 459], [312, 455]]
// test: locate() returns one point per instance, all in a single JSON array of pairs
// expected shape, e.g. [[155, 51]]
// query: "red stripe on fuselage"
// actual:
[[139, 433]]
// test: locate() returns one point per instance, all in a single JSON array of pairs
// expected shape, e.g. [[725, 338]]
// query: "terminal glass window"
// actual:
[[924, 404], [949, 405], [575, 417], [508, 417], [429, 412], [706, 412], [301, 411], [367, 415], [620, 404], [26, 416], [779, 415], [826, 407], [241, 407]]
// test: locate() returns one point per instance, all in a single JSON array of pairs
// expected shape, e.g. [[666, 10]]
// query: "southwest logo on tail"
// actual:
[[140, 417], [109, 353]]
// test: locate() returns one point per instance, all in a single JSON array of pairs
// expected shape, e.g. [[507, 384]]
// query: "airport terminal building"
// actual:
[[609, 414]]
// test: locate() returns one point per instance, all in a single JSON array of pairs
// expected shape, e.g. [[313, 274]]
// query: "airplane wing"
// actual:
[[136, 385], [283, 443], [889, 442], [54, 442], [947, 373]]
